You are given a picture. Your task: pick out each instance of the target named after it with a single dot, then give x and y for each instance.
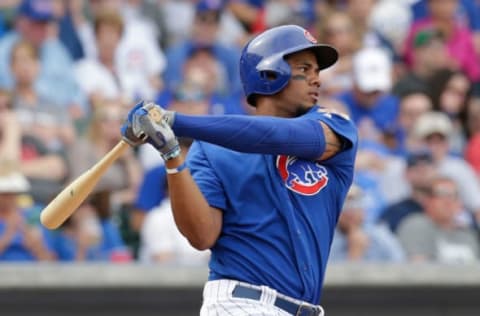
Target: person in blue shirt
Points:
(56, 81)
(90, 234)
(354, 241)
(201, 88)
(262, 192)
(21, 238)
(369, 101)
(203, 36)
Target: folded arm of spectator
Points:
(51, 167)
(10, 138)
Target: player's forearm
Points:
(256, 134)
(195, 219)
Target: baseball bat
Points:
(70, 198)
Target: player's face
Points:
(301, 92)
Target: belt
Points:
(241, 291)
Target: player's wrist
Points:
(175, 165)
(176, 169)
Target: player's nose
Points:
(315, 79)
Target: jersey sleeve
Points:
(342, 163)
(340, 123)
(205, 176)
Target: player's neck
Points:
(269, 107)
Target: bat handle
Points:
(117, 151)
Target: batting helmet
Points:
(263, 68)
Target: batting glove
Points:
(126, 129)
(148, 123)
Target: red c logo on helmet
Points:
(309, 37)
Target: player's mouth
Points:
(314, 96)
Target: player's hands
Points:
(127, 131)
(148, 122)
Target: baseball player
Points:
(262, 192)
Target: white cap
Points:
(433, 122)
(392, 20)
(13, 182)
(372, 70)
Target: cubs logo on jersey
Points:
(302, 176)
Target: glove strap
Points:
(174, 153)
(177, 169)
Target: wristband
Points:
(177, 169)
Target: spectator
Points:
(56, 80)
(434, 129)
(429, 54)
(45, 169)
(251, 13)
(418, 175)
(298, 12)
(10, 134)
(472, 124)
(162, 243)
(467, 12)
(123, 176)
(98, 77)
(436, 235)
(203, 35)
(137, 59)
(413, 104)
(39, 116)
(450, 91)
(337, 29)
(355, 242)
(201, 88)
(178, 17)
(90, 234)
(371, 105)
(21, 238)
(69, 15)
(360, 11)
(391, 20)
(458, 37)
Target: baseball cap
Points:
(37, 10)
(372, 70)
(208, 5)
(416, 157)
(13, 182)
(424, 37)
(433, 123)
(209, 9)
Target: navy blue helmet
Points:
(263, 68)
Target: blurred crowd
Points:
(408, 76)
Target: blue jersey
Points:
(279, 212)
